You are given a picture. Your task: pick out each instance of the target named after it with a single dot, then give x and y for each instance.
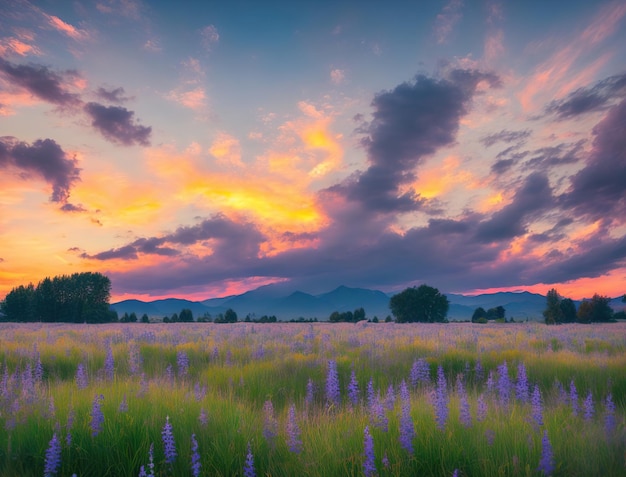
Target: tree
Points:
(496, 313)
(596, 310)
(478, 314)
(145, 319)
(568, 310)
(423, 304)
(230, 316)
(359, 314)
(553, 313)
(186, 315)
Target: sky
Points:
(203, 149)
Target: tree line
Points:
(77, 298)
(563, 310)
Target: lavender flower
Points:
(97, 418)
(38, 373)
(563, 396)
(465, 415)
(521, 386)
(270, 425)
(199, 392)
(333, 395)
(353, 389)
(53, 457)
(537, 406)
(68, 427)
(441, 399)
(203, 417)
(81, 376)
(169, 445)
(169, 374)
(248, 468)
(420, 372)
(293, 431)
(407, 429)
(481, 411)
(609, 415)
(151, 460)
(123, 405)
(491, 383)
(369, 464)
(310, 392)
(588, 407)
(182, 363)
(479, 372)
(546, 464)
(573, 398)
(385, 461)
(504, 384)
(109, 364)
(195, 457)
(390, 398)
(134, 359)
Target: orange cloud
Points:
(227, 150)
(192, 99)
(442, 178)
(69, 30)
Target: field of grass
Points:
(316, 399)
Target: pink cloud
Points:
(67, 29)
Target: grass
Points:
(234, 369)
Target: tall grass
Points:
(235, 369)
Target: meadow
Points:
(293, 399)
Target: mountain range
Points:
(287, 303)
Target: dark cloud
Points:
(599, 189)
(409, 123)
(45, 159)
(505, 136)
(586, 100)
(41, 82)
(72, 208)
(116, 95)
(117, 124)
(558, 155)
(533, 196)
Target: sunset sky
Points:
(202, 149)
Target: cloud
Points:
(447, 20)
(409, 123)
(505, 136)
(117, 125)
(127, 8)
(604, 176)
(18, 47)
(337, 76)
(586, 100)
(210, 37)
(67, 29)
(40, 82)
(72, 208)
(112, 95)
(534, 196)
(45, 159)
(193, 98)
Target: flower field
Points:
(294, 399)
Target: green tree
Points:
(20, 304)
(230, 316)
(568, 310)
(359, 314)
(596, 310)
(553, 313)
(496, 313)
(145, 319)
(186, 315)
(478, 314)
(423, 304)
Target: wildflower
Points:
(293, 431)
(353, 389)
(385, 461)
(195, 457)
(203, 417)
(97, 418)
(407, 430)
(109, 364)
(390, 398)
(310, 391)
(504, 384)
(169, 374)
(151, 460)
(369, 464)
(546, 464)
(465, 415)
(123, 405)
(521, 387)
(199, 392)
(182, 363)
(535, 401)
(441, 399)
(420, 372)
(491, 383)
(38, 374)
(53, 457)
(248, 469)
(134, 359)
(68, 427)
(270, 425)
(81, 376)
(332, 384)
(169, 445)
(573, 398)
(609, 415)
(588, 406)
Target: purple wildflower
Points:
(169, 445)
(310, 392)
(504, 384)
(97, 418)
(203, 417)
(490, 435)
(573, 398)
(465, 415)
(353, 389)
(270, 425)
(609, 415)
(134, 359)
(521, 386)
(53, 457)
(293, 431)
(385, 461)
(151, 460)
(455, 473)
(248, 468)
(546, 464)
(407, 429)
(479, 372)
(491, 383)
(109, 364)
(123, 405)
(369, 464)
(420, 372)
(182, 364)
(537, 406)
(81, 376)
(333, 395)
(68, 427)
(563, 397)
(169, 374)
(28, 384)
(51, 407)
(195, 457)
(142, 472)
(588, 407)
(390, 398)
(441, 399)
(38, 373)
(199, 392)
